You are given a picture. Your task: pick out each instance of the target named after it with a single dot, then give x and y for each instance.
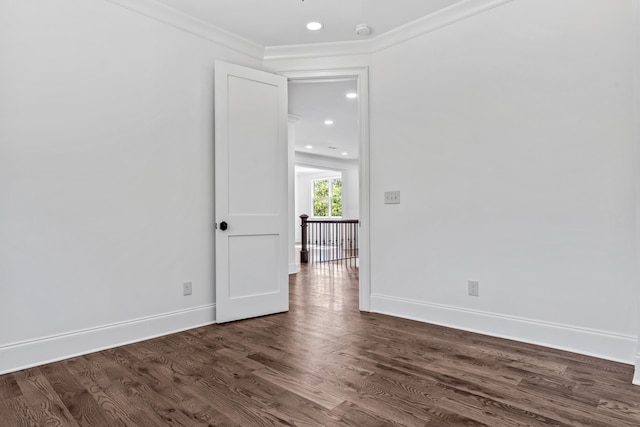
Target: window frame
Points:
(329, 197)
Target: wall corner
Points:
(636, 372)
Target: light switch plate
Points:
(391, 197)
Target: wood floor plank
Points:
(13, 412)
(141, 391)
(235, 404)
(622, 411)
(309, 392)
(111, 395)
(294, 409)
(36, 410)
(376, 401)
(222, 390)
(287, 367)
(175, 393)
(238, 361)
(354, 415)
(35, 387)
(9, 387)
(77, 399)
(188, 371)
(324, 363)
(488, 411)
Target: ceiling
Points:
(278, 23)
(315, 102)
(308, 170)
(283, 22)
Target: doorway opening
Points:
(329, 140)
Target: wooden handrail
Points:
(330, 221)
(337, 237)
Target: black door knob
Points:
(223, 225)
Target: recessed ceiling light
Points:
(328, 122)
(308, 146)
(344, 154)
(314, 26)
(352, 95)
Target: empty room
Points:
(187, 239)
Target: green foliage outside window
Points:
(336, 197)
(327, 197)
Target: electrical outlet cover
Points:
(474, 288)
(187, 288)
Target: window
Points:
(327, 197)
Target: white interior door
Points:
(251, 193)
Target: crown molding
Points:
(177, 19)
(173, 17)
(317, 50)
(442, 18)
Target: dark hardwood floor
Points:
(323, 363)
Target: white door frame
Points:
(362, 76)
(636, 84)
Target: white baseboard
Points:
(601, 344)
(17, 356)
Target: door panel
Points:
(251, 190)
(253, 147)
(261, 278)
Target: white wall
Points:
(291, 190)
(510, 137)
(106, 177)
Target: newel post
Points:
(304, 252)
